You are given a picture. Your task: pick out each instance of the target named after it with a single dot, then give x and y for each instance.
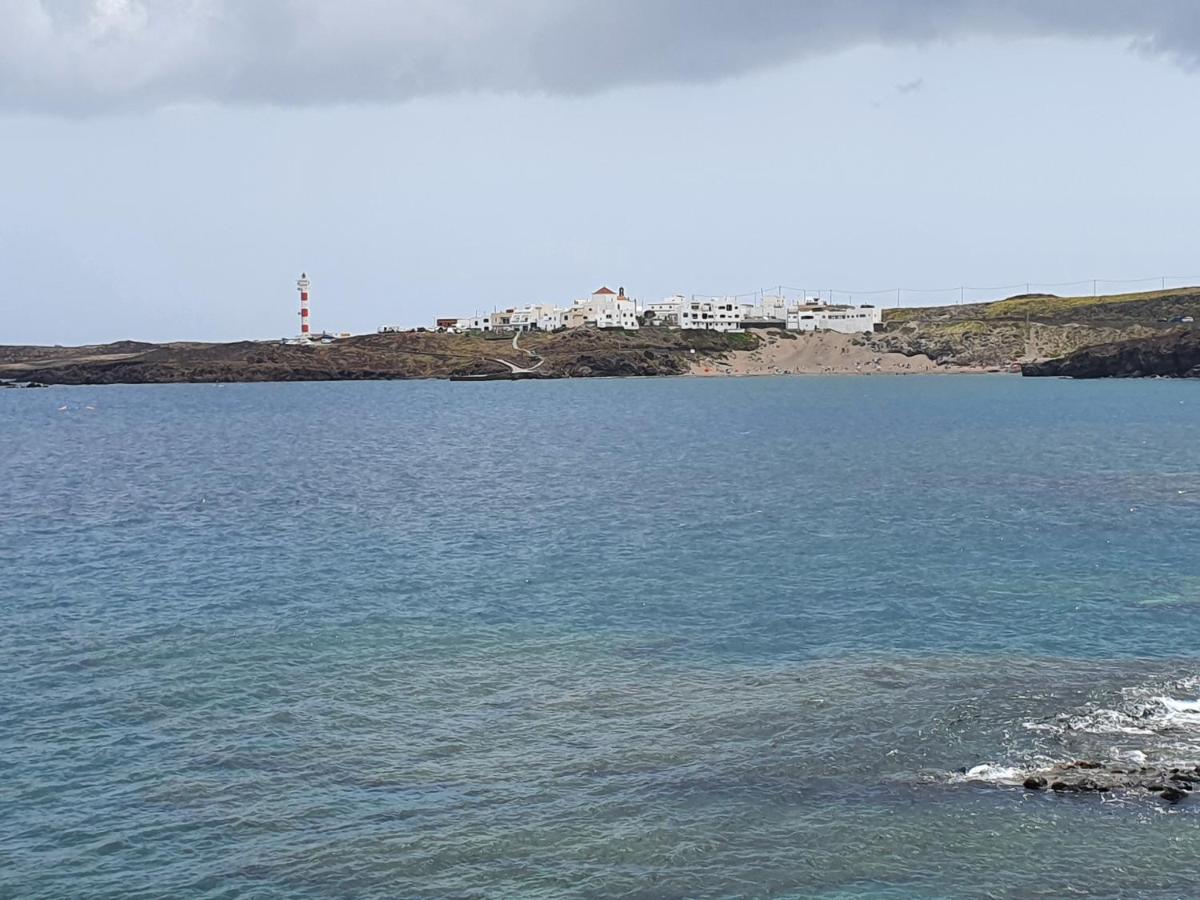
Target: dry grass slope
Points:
(1031, 327)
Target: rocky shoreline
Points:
(579, 353)
(1172, 355)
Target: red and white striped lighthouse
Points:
(302, 287)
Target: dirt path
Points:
(513, 366)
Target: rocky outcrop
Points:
(1032, 326)
(1172, 355)
(1171, 784)
(994, 343)
(645, 362)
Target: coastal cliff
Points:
(1031, 328)
(1172, 355)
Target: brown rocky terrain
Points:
(1172, 355)
(576, 353)
(1031, 328)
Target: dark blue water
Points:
(641, 638)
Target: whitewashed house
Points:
(844, 319)
(522, 319)
(666, 312)
(608, 309)
(604, 309)
(475, 323)
(552, 317)
(723, 314)
(543, 317)
(769, 308)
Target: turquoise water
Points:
(639, 638)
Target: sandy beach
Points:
(820, 353)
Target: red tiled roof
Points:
(603, 290)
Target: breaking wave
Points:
(1152, 725)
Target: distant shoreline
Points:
(1124, 335)
(583, 353)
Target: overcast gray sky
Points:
(167, 167)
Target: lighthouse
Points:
(302, 287)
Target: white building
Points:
(553, 317)
(544, 317)
(604, 309)
(726, 314)
(475, 323)
(522, 319)
(608, 309)
(770, 308)
(723, 314)
(844, 319)
(666, 312)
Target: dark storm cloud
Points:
(92, 55)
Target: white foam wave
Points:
(993, 774)
(1136, 757)
(1146, 725)
(1180, 712)
(1108, 721)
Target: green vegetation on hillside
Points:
(1031, 326)
(1054, 307)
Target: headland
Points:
(1129, 334)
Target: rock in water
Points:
(1173, 794)
(1087, 777)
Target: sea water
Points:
(583, 638)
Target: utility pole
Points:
(961, 291)
(1094, 294)
(897, 298)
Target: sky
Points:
(168, 167)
